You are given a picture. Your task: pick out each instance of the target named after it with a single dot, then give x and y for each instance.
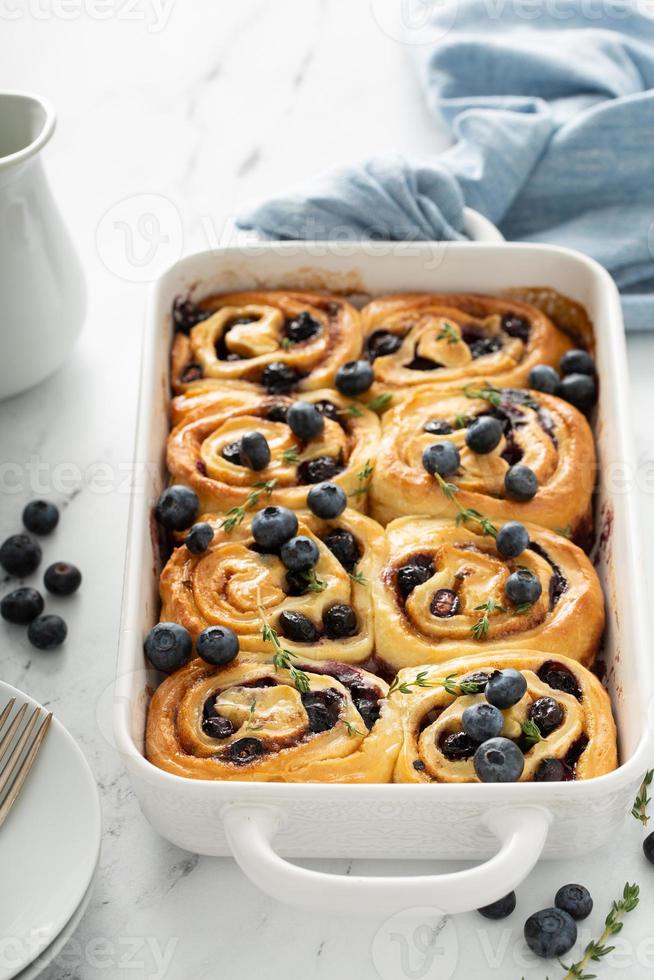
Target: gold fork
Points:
(21, 746)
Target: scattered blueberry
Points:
(482, 721)
(217, 645)
(339, 620)
(499, 909)
(580, 390)
(199, 538)
(255, 451)
(547, 714)
(62, 578)
(522, 586)
(21, 606)
(544, 378)
(40, 517)
(343, 545)
(499, 760)
(577, 362)
(354, 377)
(550, 933)
(327, 500)
(575, 900)
(520, 482)
(168, 646)
(272, 526)
(300, 553)
(648, 848)
(441, 458)
(302, 327)
(318, 470)
(177, 507)
(505, 687)
(245, 750)
(47, 632)
(305, 420)
(414, 573)
(457, 746)
(278, 378)
(20, 555)
(550, 771)
(484, 434)
(295, 626)
(512, 539)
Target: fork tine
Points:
(13, 759)
(9, 734)
(6, 712)
(25, 767)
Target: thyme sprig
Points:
(381, 402)
(465, 514)
(480, 628)
(236, 514)
(286, 343)
(450, 683)
(291, 455)
(523, 608)
(282, 658)
(448, 333)
(597, 948)
(488, 392)
(364, 478)
(565, 532)
(355, 410)
(531, 732)
(639, 809)
(312, 582)
(352, 729)
(358, 576)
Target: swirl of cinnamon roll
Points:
(539, 431)
(249, 721)
(445, 591)
(563, 723)
(446, 339)
(327, 611)
(204, 449)
(269, 341)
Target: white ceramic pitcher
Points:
(42, 290)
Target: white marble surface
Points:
(205, 106)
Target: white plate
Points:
(49, 848)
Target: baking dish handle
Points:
(521, 831)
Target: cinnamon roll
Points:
(327, 612)
(562, 723)
(269, 341)
(534, 430)
(446, 339)
(446, 591)
(254, 721)
(204, 448)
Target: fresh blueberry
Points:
(577, 362)
(327, 500)
(505, 687)
(278, 378)
(499, 760)
(217, 645)
(512, 539)
(295, 626)
(272, 526)
(441, 458)
(20, 555)
(414, 573)
(318, 470)
(550, 933)
(255, 451)
(47, 632)
(445, 603)
(302, 327)
(484, 434)
(168, 646)
(199, 538)
(437, 427)
(520, 482)
(339, 620)
(245, 750)
(21, 606)
(648, 848)
(550, 771)
(62, 578)
(343, 545)
(40, 517)
(575, 900)
(305, 420)
(547, 714)
(301, 553)
(177, 507)
(381, 343)
(354, 377)
(580, 390)
(544, 378)
(522, 586)
(499, 909)
(482, 721)
(457, 746)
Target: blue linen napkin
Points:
(551, 109)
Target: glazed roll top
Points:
(326, 613)
(447, 339)
(254, 721)
(206, 448)
(268, 341)
(561, 723)
(541, 432)
(445, 590)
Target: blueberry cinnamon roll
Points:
(446, 339)
(227, 446)
(325, 611)
(501, 451)
(502, 717)
(254, 721)
(449, 589)
(272, 342)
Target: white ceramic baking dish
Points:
(263, 824)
